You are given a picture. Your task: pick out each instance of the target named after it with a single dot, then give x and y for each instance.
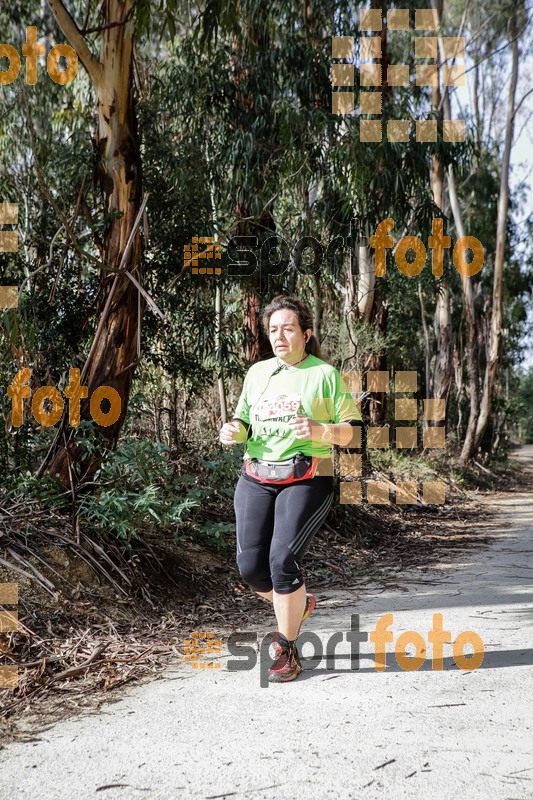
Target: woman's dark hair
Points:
(303, 314)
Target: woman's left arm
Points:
(342, 433)
(306, 428)
(343, 413)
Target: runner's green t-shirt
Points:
(314, 388)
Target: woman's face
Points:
(286, 336)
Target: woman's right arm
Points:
(234, 432)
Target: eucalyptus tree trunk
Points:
(495, 335)
(256, 344)
(220, 376)
(427, 349)
(374, 307)
(118, 173)
(318, 307)
(366, 283)
(471, 342)
(472, 355)
(442, 381)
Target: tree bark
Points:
(374, 307)
(377, 402)
(318, 307)
(427, 349)
(472, 355)
(119, 176)
(442, 382)
(471, 333)
(256, 344)
(495, 335)
(366, 283)
(220, 376)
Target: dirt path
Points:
(332, 733)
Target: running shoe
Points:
(310, 604)
(286, 667)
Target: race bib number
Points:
(280, 408)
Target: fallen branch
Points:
(68, 673)
(488, 471)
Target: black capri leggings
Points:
(275, 526)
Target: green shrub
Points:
(136, 492)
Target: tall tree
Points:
(515, 28)
(442, 382)
(113, 355)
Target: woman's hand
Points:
(228, 432)
(304, 427)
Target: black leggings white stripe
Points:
(275, 526)
(303, 540)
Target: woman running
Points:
(297, 406)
